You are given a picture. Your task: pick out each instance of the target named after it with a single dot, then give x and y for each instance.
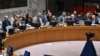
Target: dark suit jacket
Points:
(96, 21)
(5, 23)
(76, 21)
(27, 21)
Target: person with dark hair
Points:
(49, 15)
(28, 19)
(97, 9)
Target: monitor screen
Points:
(87, 22)
(70, 22)
(53, 24)
(37, 25)
(5, 4)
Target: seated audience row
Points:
(19, 22)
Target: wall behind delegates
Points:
(24, 6)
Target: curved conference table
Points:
(53, 34)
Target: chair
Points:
(22, 27)
(87, 22)
(1, 45)
(36, 25)
(10, 50)
(69, 22)
(53, 24)
(27, 53)
(11, 31)
(47, 55)
(2, 35)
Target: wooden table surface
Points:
(53, 34)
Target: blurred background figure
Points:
(13, 18)
(53, 18)
(6, 25)
(16, 25)
(97, 9)
(87, 16)
(49, 15)
(44, 16)
(74, 19)
(98, 17)
(63, 18)
(94, 20)
(28, 19)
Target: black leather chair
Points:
(10, 50)
(1, 45)
(27, 53)
(47, 55)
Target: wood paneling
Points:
(44, 35)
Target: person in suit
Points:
(53, 21)
(74, 19)
(63, 18)
(6, 25)
(44, 16)
(87, 16)
(41, 19)
(94, 20)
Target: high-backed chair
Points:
(27, 53)
(47, 55)
(10, 50)
(1, 45)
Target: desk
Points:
(44, 35)
(4, 52)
